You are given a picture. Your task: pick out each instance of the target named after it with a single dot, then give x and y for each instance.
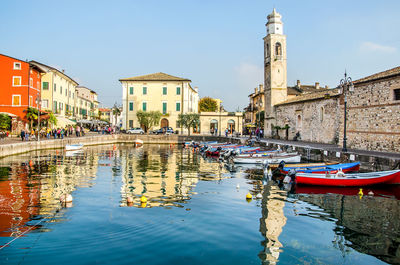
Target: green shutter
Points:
(178, 90)
(131, 90)
(144, 106)
(55, 88)
(164, 107)
(130, 106)
(164, 90)
(178, 106)
(144, 90)
(45, 85)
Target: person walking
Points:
(22, 135)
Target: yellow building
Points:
(57, 93)
(256, 106)
(86, 104)
(168, 94)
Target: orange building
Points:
(20, 84)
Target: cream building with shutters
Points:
(57, 93)
(168, 94)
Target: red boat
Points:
(347, 180)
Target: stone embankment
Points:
(314, 152)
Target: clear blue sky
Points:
(216, 44)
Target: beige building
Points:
(218, 122)
(86, 104)
(57, 93)
(168, 94)
(253, 112)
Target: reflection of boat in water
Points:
(74, 152)
(72, 147)
(382, 191)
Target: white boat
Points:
(72, 147)
(138, 142)
(269, 160)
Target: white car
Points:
(135, 131)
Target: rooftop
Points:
(320, 94)
(384, 74)
(155, 77)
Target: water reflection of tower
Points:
(163, 175)
(271, 223)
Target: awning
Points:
(62, 121)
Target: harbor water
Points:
(163, 204)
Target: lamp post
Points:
(38, 103)
(219, 125)
(346, 85)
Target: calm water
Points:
(196, 213)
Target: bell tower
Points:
(275, 70)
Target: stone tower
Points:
(275, 77)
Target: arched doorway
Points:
(231, 126)
(213, 126)
(164, 123)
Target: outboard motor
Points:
(291, 176)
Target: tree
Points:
(189, 120)
(5, 121)
(116, 112)
(52, 119)
(148, 119)
(208, 104)
(31, 115)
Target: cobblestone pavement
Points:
(14, 139)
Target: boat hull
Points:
(332, 169)
(349, 180)
(269, 160)
(73, 147)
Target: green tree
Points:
(189, 120)
(31, 115)
(208, 104)
(5, 121)
(116, 112)
(52, 119)
(148, 119)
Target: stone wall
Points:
(317, 120)
(373, 116)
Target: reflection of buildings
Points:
(163, 175)
(32, 189)
(272, 222)
(19, 196)
(371, 224)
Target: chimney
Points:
(260, 87)
(63, 70)
(326, 87)
(255, 90)
(298, 84)
(316, 85)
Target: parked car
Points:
(135, 131)
(166, 130)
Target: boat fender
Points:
(340, 174)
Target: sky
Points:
(218, 44)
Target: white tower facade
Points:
(275, 69)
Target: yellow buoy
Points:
(361, 193)
(248, 196)
(143, 204)
(143, 199)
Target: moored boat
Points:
(289, 158)
(346, 180)
(321, 169)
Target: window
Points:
(130, 106)
(16, 81)
(164, 90)
(31, 82)
(60, 105)
(38, 85)
(45, 85)
(131, 90)
(45, 103)
(178, 106)
(30, 101)
(278, 49)
(55, 106)
(55, 87)
(16, 100)
(61, 90)
(144, 90)
(130, 123)
(396, 94)
(321, 114)
(164, 107)
(17, 66)
(144, 106)
(178, 90)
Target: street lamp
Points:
(346, 85)
(219, 125)
(38, 103)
